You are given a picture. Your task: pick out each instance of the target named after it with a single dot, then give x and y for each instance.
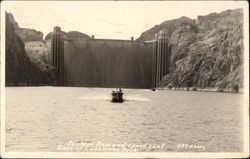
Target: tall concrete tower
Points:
(57, 52)
(161, 57)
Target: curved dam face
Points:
(108, 63)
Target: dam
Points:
(109, 63)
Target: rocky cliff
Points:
(71, 35)
(37, 49)
(39, 53)
(25, 34)
(29, 34)
(207, 52)
(20, 70)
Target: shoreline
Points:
(241, 90)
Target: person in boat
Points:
(120, 90)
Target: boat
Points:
(117, 96)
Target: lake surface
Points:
(59, 118)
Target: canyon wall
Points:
(207, 52)
(20, 70)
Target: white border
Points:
(246, 76)
(2, 92)
(244, 154)
(121, 155)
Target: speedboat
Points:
(117, 96)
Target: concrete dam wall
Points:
(108, 63)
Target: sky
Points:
(109, 19)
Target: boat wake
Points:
(109, 98)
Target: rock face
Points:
(206, 53)
(39, 53)
(170, 26)
(12, 20)
(49, 36)
(71, 35)
(76, 35)
(37, 49)
(19, 69)
(29, 34)
(24, 33)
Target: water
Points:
(45, 118)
